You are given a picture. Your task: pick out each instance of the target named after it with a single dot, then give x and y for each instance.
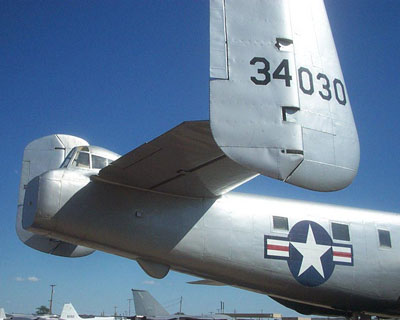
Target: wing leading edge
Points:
(184, 161)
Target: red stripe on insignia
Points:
(342, 254)
(276, 247)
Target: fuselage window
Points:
(384, 238)
(280, 223)
(340, 231)
(98, 162)
(82, 160)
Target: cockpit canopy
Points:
(89, 157)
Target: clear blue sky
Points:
(119, 73)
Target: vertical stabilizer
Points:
(278, 101)
(69, 312)
(2, 314)
(146, 305)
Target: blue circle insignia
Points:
(310, 253)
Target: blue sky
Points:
(119, 73)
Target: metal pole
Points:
(129, 301)
(51, 298)
(180, 306)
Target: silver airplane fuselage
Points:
(279, 107)
(232, 239)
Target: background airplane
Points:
(69, 312)
(2, 314)
(21, 316)
(147, 306)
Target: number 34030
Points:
(306, 79)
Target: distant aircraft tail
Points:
(2, 314)
(146, 305)
(68, 312)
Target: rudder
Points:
(278, 101)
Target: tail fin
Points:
(42, 155)
(146, 305)
(69, 312)
(2, 314)
(278, 101)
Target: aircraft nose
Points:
(41, 201)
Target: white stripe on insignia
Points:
(275, 242)
(278, 253)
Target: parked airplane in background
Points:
(46, 317)
(148, 307)
(278, 107)
(21, 316)
(2, 314)
(69, 313)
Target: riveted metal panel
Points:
(281, 56)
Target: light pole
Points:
(51, 298)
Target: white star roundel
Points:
(310, 253)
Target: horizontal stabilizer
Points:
(278, 101)
(183, 161)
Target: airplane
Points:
(69, 312)
(18, 316)
(3, 314)
(146, 306)
(279, 107)
(47, 316)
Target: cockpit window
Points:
(98, 162)
(83, 157)
(82, 160)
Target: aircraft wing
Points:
(184, 161)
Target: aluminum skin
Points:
(278, 101)
(221, 239)
(278, 107)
